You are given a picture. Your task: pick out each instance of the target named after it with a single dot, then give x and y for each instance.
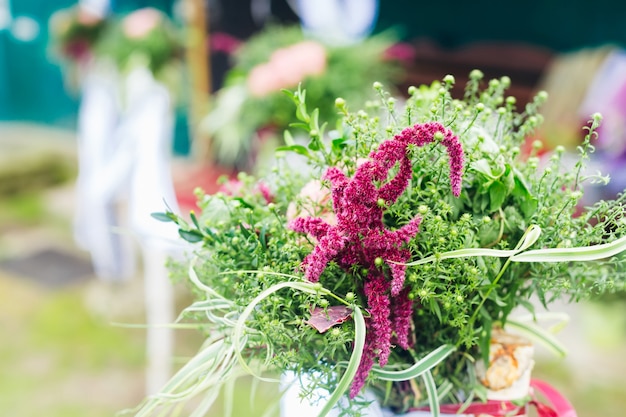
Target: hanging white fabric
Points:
(124, 147)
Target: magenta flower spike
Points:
(361, 238)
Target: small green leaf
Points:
(194, 219)
(262, 239)
(528, 203)
(289, 93)
(338, 144)
(243, 202)
(434, 306)
(244, 230)
(164, 217)
(299, 149)
(497, 195)
(482, 166)
(288, 138)
(302, 126)
(191, 236)
(484, 340)
(315, 119)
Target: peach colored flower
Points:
(140, 22)
(262, 80)
(287, 67)
(87, 18)
(313, 200)
(311, 57)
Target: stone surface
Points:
(50, 267)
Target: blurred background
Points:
(109, 107)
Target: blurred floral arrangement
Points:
(251, 107)
(74, 32)
(144, 37)
(395, 262)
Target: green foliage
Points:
(516, 231)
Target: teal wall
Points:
(559, 25)
(31, 87)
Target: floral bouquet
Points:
(74, 33)
(251, 108)
(386, 265)
(145, 37)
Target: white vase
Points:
(507, 378)
(292, 405)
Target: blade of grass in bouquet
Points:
(203, 408)
(539, 335)
(240, 325)
(353, 364)
(423, 365)
(530, 237)
(561, 319)
(431, 390)
(444, 389)
(229, 397)
(195, 369)
(585, 253)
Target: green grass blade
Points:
(431, 390)
(207, 401)
(561, 319)
(353, 364)
(229, 397)
(538, 335)
(465, 253)
(423, 365)
(585, 253)
(240, 325)
(529, 238)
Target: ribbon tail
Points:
(561, 406)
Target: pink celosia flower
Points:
(223, 42)
(140, 22)
(360, 237)
(265, 192)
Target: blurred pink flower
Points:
(315, 202)
(401, 52)
(287, 67)
(310, 58)
(262, 80)
(140, 22)
(87, 18)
